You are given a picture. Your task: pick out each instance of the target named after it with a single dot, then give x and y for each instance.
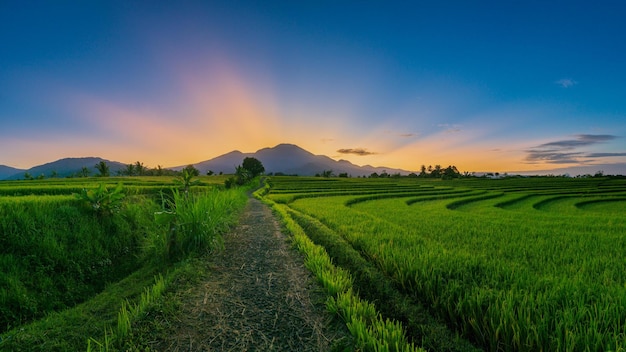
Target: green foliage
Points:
(103, 200)
(103, 169)
(54, 254)
(191, 170)
(253, 166)
(370, 331)
(195, 222)
(185, 180)
(244, 173)
(511, 264)
(140, 169)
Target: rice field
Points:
(514, 264)
(63, 241)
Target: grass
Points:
(73, 278)
(370, 331)
(513, 264)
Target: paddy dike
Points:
(257, 296)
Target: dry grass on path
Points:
(258, 296)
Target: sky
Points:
(483, 85)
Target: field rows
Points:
(513, 264)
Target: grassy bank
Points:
(58, 252)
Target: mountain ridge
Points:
(288, 159)
(284, 158)
(66, 167)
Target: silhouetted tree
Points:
(253, 166)
(140, 169)
(103, 169)
(450, 172)
(130, 170)
(423, 172)
(84, 172)
(191, 170)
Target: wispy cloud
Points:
(581, 140)
(566, 82)
(355, 151)
(569, 151)
(448, 128)
(407, 135)
(604, 155)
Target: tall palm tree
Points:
(103, 168)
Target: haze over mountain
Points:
(289, 159)
(64, 168)
(6, 171)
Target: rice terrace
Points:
(402, 263)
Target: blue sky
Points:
(483, 85)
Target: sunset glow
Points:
(492, 87)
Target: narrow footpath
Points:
(258, 296)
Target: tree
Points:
(423, 172)
(103, 169)
(139, 168)
(185, 180)
(450, 172)
(54, 174)
(253, 166)
(84, 172)
(130, 170)
(28, 176)
(190, 169)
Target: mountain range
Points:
(284, 158)
(288, 159)
(61, 168)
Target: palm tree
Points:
(84, 172)
(140, 168)
(130, 170)
(103, 168)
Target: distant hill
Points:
(6, 171)
(288, 159)
(67, 167)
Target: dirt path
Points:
(257, 297)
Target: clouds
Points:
(571, 151)
(355, 151)
(566, 82)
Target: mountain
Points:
(67, 167)
(6, 171)
(288, 159)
